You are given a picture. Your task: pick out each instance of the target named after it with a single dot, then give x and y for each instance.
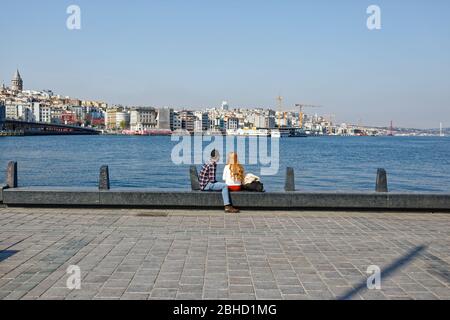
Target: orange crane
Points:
(302, 106)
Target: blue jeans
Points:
(220, 187)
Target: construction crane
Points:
(302, 106)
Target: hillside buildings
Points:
(44, 106)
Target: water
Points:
(419, 164)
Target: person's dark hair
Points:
(214, 153)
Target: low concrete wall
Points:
(2, 187)
(204, 200)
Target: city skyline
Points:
(196, 55)
(17, 90)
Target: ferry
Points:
(298, 133)
(213, 133)
(249, 132)
(279, 133)
(155, 132)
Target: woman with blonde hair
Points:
(234, 174)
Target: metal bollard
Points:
(382, 183)
(103, 183)
(193, 173)
(290, 180)
(11, 175)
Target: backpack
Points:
(255, 186)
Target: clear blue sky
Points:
(197, 53)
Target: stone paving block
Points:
(242, 296)
(110, 293)
(167, 284)
(241, 289)
(164, 293)
(211, 294)
(189, 296)
(134, 296)
(289, 290)
(139, 288)
(263, 294)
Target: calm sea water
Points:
(321, 163)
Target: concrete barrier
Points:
(208, 200)
(2, 187)
(102, 196)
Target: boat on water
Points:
(298, 133)
(288, 133)
(249, 132)
(213, 133)
(276, 133)
(155, 132)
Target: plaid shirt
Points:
(208, 174)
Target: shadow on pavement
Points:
(399, 263)
(5, 254)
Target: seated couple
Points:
(233, 176)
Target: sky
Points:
(197, 53)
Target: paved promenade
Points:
(154, 254)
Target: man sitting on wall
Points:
(208, 182)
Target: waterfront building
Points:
(142, 119)
(270, 122)
(78, 110)
(187, 120)
(114, 118)
(42, 112)
(25, 112)
(19, 110)
(176, 123)
(198, 126)
(122, 120)
(11, 110)
(282, 120)
(69, 118)
(110, 118)
(17, 83)
(203, 119)
(56, 115)
(217, 124)
(259, 121)
(2, 114)
(165, 119)
(233, 123)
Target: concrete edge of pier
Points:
(2, 187)
(291, 199)
(296, 200)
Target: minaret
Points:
(17, 83)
